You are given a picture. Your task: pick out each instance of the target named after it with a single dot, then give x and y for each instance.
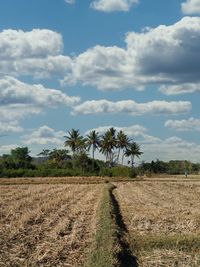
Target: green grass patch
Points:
(105, 248)
(189, 243)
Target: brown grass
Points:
(62, 180)
(163, 220)
(47, 225)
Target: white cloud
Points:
(19, 99)
(131, 107)
(113, 5)
(44, 135)
(162, 55)
(190, 124)
(70, 2)
(17, 111)
(153, 147)
(180, 88)
(172, 148)
(5, 149)
(36, 53)
(191, 7)
(13, 91)
(10, 127)
(132, 131)
(36, 43)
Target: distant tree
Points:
(58, 155)
(76, 142)
(108, 144)
(132, 151)
(93, 141)
(44, 153)
(122, 142)
(20, 157)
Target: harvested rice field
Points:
(47, 225)
(163, 221)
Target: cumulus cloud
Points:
(113, 5)
(132, 131)
(178, 89)
(154, 147)
(13, 91)
(131, 107)
(161, 55)
(190, 124)
(10, 127)
(18, 111)
(191, 7)
(19, 99)
(5, 149)
(36, 43)
(36, 53)
(172, 148)
(44, 135)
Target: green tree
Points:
(20, 157)
(93, 141)
(122, 142)
(132, 151)
(76, 142)
(44, 153)
(58, 155)
(108, 144)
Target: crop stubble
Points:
(47, 225)
(163, 220)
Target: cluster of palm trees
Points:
(112, 144)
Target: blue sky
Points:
(131, 64)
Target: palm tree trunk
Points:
(123, 158)
(118, 155)
(132, 162)
(73, 160)
(93, 158)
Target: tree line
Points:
(112, 144)
(73, 159)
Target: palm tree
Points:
(133, 150)
(75, 141)
(122, 143)
(44, 153)
(58, 155)
(93, 141)
(108, 144)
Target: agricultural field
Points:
(48, 224)
(163, 221)
(91, 222)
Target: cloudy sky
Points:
(93, 64)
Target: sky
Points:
(95, 64)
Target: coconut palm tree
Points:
(93, 141)
(75, 141)
(58, 155)
(133, 150)
(108, 144)
(44, 153)
(122, 143)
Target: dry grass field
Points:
(47, 225)
(163, 219)
(68, 221)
